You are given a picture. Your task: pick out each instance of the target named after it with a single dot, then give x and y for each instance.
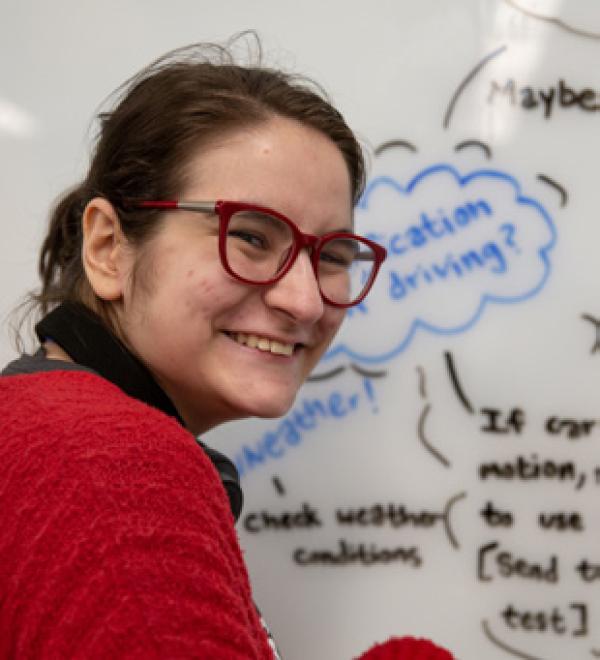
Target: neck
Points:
(55, 352)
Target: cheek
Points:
(208, 295)
(329, 325)
(333, 319)
(199, 291)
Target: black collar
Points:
(86, 339)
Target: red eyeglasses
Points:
(259, 246)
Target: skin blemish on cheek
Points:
(206, 287)
(199, 290)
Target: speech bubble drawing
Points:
(455, 243)
(582, 18)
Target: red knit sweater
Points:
(116, 538)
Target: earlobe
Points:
(103, 251)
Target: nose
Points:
(297, 293)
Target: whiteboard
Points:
(439, 473)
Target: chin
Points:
(269, 409)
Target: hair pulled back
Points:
(160, 117)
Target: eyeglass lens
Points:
(258, 247)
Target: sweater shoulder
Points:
(144, 556)
(61, 395)
(83, 429)
(81, 405)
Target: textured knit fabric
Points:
(406, 648)
(116, 537)
(29, 364)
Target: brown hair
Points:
(173, 106)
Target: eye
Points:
(254, 239)
(335, 259)
(258, 231)
(339, 253)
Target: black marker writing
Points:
(496, 517)
(365, 554)
(547, 100)
(496, 421)
(306, 518)
(493, 561)
(528, 469)
(561, 521)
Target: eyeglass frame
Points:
(226, 209)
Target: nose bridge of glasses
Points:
(310, 242)
(307, 241)
(296, 254)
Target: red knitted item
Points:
(116, 538)
(406, 648)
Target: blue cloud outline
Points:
(363, 204)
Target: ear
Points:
(105, 255)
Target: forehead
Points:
(281, 164)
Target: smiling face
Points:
(222, 349)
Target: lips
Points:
(262, 343)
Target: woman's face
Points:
(183, 314)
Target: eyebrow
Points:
(261, 215)
(341, 230)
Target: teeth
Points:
(281, 349)
(263, 344)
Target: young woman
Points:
(196, 275)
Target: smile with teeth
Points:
(262, 343)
